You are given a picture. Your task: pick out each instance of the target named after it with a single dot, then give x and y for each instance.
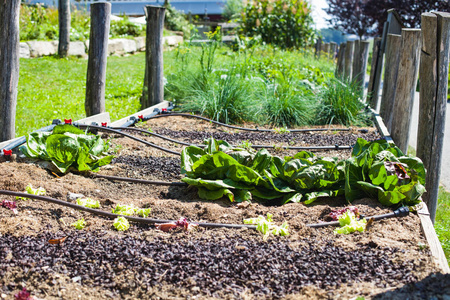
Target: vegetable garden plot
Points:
(100, 262)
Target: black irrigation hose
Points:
(243, 128)
(335, 147)
(129, 136)
(401, 212)
(113, 216)
(135, 180)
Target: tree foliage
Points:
(349, 16)
(367, 17)
(409, 10)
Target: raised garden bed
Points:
(389, 260)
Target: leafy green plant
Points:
(80, 224)
(40, 191)
(285, 23)
(232, 9)
(350, 224)
(88, 202)
(266, 226)
(121, 224)
(68, 146)
(124, 28)
(130, 210)
(376, 169)
(175, 20)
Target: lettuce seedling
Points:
(9, 204)
(143, 212)
(32, 191)
(350, 224)
(80, 224)
(123, 209)
(88, 202)
(335, 214)
(266, 227)
(121, 224)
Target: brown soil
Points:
(207, 263)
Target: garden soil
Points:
(388, 261)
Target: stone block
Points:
(77, 49)
(24, 50)
(42, 48)
(140, 43)
(172, 40)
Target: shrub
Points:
(340, 103)
(125, 27)
(232, 9)
(285, 23)
(176, 21)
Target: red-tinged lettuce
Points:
(181, 223)
(24, 295)
(68, 146)
(9, 204)
(335, 214)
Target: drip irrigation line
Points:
(335, 147)
(129, 136)
(135, 180)
(244, 128)
(113, 216)
(401, 212)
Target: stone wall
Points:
(33, 49)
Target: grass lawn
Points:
(51, 88)
(442, 222)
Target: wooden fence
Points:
(411, 54)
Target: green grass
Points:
(442, 221)
(51, 88)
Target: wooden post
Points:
(393, 44)
(333, 47)
(318, 48)
(405, 87)
(361, 66)
(64, 27)
(373, 69)
(341, 61)
(349, 49)
(98, 52)
(326, 50)
(9, 67)
(355, 66)
(433, 100)
(375, 91)
(154, 88)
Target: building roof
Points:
(136, 8)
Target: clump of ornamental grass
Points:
(286, 103)
(341, 103)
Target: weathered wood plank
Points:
(349, 50)
(98, 52)
(361, 65)
(318, 48)
(9, 66)
(431, 237)
(406, 87)
(393, 44)
(154, 56)
(144, 112)
(340, 61)
(64, 27)
(333, 47)
(355, 63)
(375, 91)
(375, 50)
(326, 50)
(433, 100)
